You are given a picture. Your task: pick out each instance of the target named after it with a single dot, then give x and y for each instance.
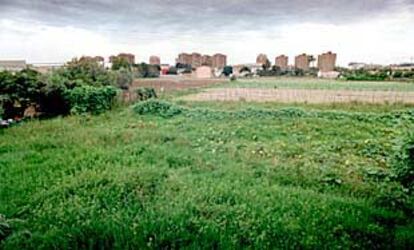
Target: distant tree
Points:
(172, 71)
(184, 68)
(227, 70)
(120, 63)
(245, 69)
(147, 70)
(266, 66)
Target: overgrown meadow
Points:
(185, 175)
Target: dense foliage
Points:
(209, 176)
(377, 74)
(404, 162)
(89, 99)
(50, 94)
(145, 94)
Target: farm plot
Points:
(301, 96)
(173, 84)
(314, 83)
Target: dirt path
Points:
(301, 96)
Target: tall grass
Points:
(210, 179)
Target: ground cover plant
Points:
(313, 83)
(213, 175)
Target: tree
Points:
(120, 63)
(227, 70)
(267, 65)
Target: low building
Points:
(204, 72)
(253, 68)
(12, 65)
(44, 68)
(282, 62)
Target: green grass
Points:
(312, 83)
(218, 175)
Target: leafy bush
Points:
(404, 162)
(87, 71)
(172, 71)
(119, 63)
(89, 99)
(144, 70)
(228, 70)
(145, 93)
(156, 107)
(18, 91)
(365, 75)
(49, 93)
(123, 78)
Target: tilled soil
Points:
(172, 84)
(301, 96)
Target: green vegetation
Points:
(93, 100)
(185, 175)
(312, 83)
(80, 86)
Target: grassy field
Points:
(312, 83)
(208, 175)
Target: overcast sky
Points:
(372, 31)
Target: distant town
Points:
(201, 66)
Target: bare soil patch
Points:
(301, 96)
(172, 84)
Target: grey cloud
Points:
(198, 15)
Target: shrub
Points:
(172, 71)
(18, 91)
(123, 78)
(89, 99)
(145, 93)
(147, 71)
(5, 228)
(120, 63)
(156, 107)
(228, 70)
(404, 162)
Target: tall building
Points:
(262, 59)
(130, 58)
(327, 62)
(282, 62)
(154, 60)
(196, 60)
(219, 61)
(184, 58)
(207, 60)
(302, 61)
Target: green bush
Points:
(145, 94)
(156, 107)
(404, 162)
(89, 99)
(18, 91)
(123, 78)
(144, 70)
